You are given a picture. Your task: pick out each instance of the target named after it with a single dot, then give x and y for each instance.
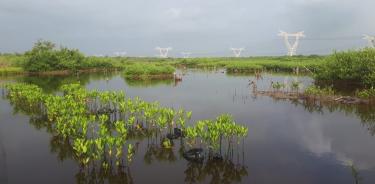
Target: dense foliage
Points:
(148, 70)
(353, 66)
(44, 56)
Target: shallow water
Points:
(288, 142)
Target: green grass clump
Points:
(366, 93)
(318, 91)
(148, 70)
(243, 67)
(352, 66)
(11, 70)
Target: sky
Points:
(203, 27)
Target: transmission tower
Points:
(292, 48)
(186, 54)
(370, 39)
(237, 51)
(163, 52)
(119, 54)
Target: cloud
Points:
(204, 26)
(173, 13)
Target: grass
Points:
(366, 93)
(232, 65)
(148, 71)
(11, 70)
(11, 64)
(250, 64)
(319, 91)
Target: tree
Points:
(44, 56)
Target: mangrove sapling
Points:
(318, 91)
(76, 116)
(131, 152)
(277, 86)
(167, 143)
(295, 86)
(81, 147)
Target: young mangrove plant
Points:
(215, 133)
(318, 91)
(99, 124)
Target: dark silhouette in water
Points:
(194, 155)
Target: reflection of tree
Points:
(149, 82)
(355, 174)
(62, 147)
(51, 83)
(365, 112)
(102, 173)
(224, 171)
(155, 152)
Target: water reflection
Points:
(51, 83)
(289, 141)
(151, 82)
(365, 112)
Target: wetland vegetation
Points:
(104, 131)
(98, 124)
(149, 71)
(109, 134)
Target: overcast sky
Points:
(203, 27)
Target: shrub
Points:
(354, 66)
(366, 93)
(140, 70)
(44, 56)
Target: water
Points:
(288, 142)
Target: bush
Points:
(144, 70)
(354, 66)
(44, 56)
(366, 93)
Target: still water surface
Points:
(288, 142)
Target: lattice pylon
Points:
(120, 54)
(237, 51)
(185, 54)
(370, 40)
(163, 52)
(292, 48)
